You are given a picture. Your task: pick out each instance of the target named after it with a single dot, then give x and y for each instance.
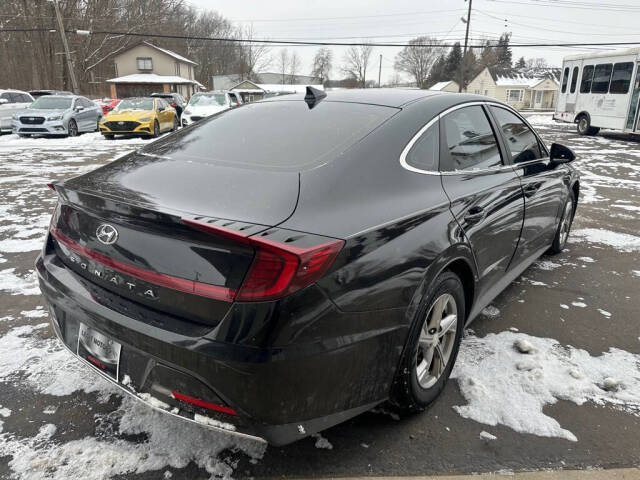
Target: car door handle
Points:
(474, 215)
(531, 189)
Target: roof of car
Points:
(389, 97)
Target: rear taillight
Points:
(278, 269)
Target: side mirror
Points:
(3, 101)
(79, 108)
(161, 109)
(561, 154)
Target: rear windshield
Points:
(276, 135)
(52, 103)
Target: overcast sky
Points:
(529, 21)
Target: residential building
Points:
(448, 86)
(535, 90)
(144, 68)
(226, 82)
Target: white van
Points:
(600, 90)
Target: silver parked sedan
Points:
(58, 115)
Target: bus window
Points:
(601, 77)
(621, 78)
(587, 76)
(574, 79)
(565, 79)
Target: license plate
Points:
(99, 350)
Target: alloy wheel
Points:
(583, 125)
(73, 129)
(437, 340)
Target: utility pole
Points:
(464, 52)
(379, 71)
(72, 73)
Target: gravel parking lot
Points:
(571, 401)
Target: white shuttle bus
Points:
(601, 90)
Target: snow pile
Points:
(322, 442)
(43, 365)
(503, 386)
(17, 285)
(620, 241)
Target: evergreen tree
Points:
(438, 72)
(453, 61)
(504, 52)
(521, 63)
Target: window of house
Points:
(471, 143)
(587, 77)
(601, 78)
(424, 153)
(145, 63)
(621, 77)
(514, 95)
(574, 79)
(177, 64)
(519, 139)
(565, 79)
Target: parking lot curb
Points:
(613, 474)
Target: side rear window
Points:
(520, 140)
(587, 76)
(424, 152)
(574, 79)
(621, 77)
(601, 78)
(471, 143)
(565, 79)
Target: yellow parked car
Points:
(145, 116)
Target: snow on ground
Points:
(504, 386)
(620, 241)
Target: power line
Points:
(321, 43)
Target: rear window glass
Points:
(565, 79)
(276, 135)
(574, 79)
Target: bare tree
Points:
(283, 63)
(356, 61)
(294, 67)
(254, 57)
(417, 60)
(322, 63)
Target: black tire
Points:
(72, 129)
(156, 129)
(584, 127)
(108, 136)
(408, 394)
(564, 225)
(175, 124)
(98, 124)
(24, 135)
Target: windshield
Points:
(284, 135)
(216, 100)
(135, 104)
(51, 102)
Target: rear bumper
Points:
(280, 394)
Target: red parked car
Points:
(107, 104)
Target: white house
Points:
(537, 90)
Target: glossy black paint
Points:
(296, 365)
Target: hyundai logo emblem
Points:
(120, 123)
(107, 234)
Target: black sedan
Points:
(288, 264)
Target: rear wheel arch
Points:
(463, 271)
